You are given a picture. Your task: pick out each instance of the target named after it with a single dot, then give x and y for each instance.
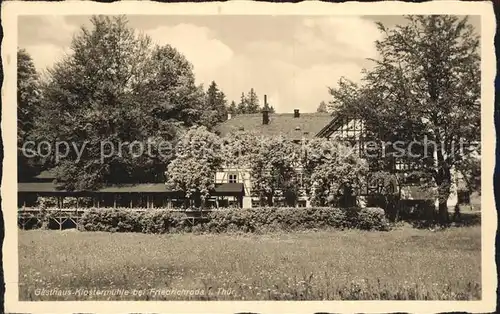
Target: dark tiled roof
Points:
(305, 126)
(136, 188)
(50, 187)
(39, 187)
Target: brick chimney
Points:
(265, 112)
(296, 113)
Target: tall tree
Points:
(28, 102)
(221, 106)
(232, 108)
(322, 107)
(171, 82)
(198, 155)
(210, 115)
(252, 102)
(242, 105)
(215, 108)
(425, 86)
(216, 101)
(114, 89)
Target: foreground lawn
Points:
(400, 264)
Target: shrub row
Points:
(235, 220)
(265, 219)
(288, 219)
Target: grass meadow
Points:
(404, 263)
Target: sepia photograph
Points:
(327, 153)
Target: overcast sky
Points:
(292, 59)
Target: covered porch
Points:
(143, 195)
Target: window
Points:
(351, 129)
(405, 165)
(402, 165)
(408, 168)
(232, 178)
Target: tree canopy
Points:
(28, 102)
(198, 155)
(274, 169)
(323, 107)
(425, 86)
(332, 170)
(249, 103)
(215, 109)
(116, 88)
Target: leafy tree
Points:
(198, 155)
(28, 102)
(171, 87)
(274, 169)
(331, 170)
(116, 88)
(470, 169)
(322, 107)
(240, 148)
(425, 85)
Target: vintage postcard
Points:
(248, 157)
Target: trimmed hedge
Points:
(126, 220)
(265, 219)
(289, 219)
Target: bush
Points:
(372, 218)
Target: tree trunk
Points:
(443, 212)
(443, 180)
(391, 208)
(456, 215)
(270, 199)
(444, 193)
